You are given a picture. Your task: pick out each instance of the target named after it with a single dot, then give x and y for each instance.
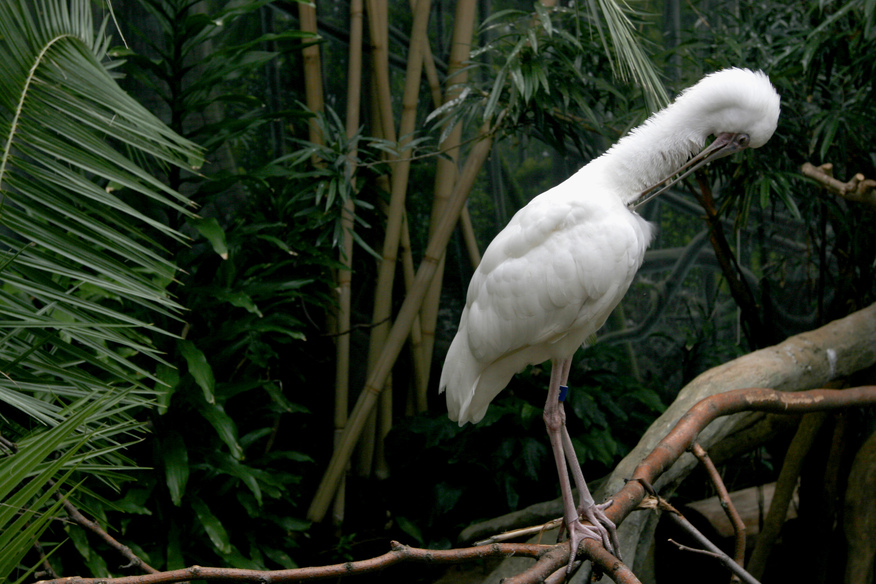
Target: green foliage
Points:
(550, 74)
(231, 440)
(819, 56)
(84, 277)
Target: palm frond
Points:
(83, 271)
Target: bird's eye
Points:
(743, 140)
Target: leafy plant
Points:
(83, 273)
(232, 437)
(550, 72)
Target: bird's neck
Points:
(651, 152)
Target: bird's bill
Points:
(723, 145)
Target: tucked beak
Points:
(724, 144)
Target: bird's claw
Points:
(578, 532)
(595, 514)
(601, 528)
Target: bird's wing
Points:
(556, 267)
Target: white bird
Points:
(549, 280)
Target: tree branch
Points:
(859, 189)
(399, 553)
(549, 558)
(756, 332)
(726, 504)
(95, 528)
(711, 549)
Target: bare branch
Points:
(726, 504)
(711, 549)
(859, 189)
(680, 438)
(398, 554)
(95, 528)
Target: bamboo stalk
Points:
(446, 170)
(365, 453)
(312, 70)
(400, 328)
(400, 174)
(385, 128)
(345, 275)
(468, 234)
(429, 66)
(420, 402)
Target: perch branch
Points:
(859, 189)
(683, 435)
(399, 553)
(549, 558)
(726, 504)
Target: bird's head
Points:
(738, 106)
(732, 101)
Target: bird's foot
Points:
(600, 528)
(578, 532)
(595, 514)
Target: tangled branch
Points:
(550, 559)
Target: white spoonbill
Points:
(550, 279)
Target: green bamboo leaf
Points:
(199, 368)
(211, 524)
(175, 456)
(224, 426)
(214, 233)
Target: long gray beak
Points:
(724, 144)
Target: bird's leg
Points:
(555, 420)
(594, 513)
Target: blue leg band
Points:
(564, 390)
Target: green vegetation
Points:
(178, 215)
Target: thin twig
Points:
(522, 532)
(726, 504)
(694, 550)
(95, 528)
(47, 571)
(9, 445)
(399, 553)
(676, 517)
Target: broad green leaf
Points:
(211, 524)
(224, 426)
(199, 368)
(175, 457)
(214, 233)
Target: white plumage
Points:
(550, 279)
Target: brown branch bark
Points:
(399, 553)
(804, 361)
(685, 432)
(726, 504)
(859, 189)
(133, 559)
(710, 548)
(549, 558)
